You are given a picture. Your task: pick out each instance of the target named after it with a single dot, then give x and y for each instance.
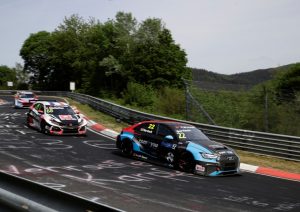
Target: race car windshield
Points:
(189, 133)
(27, 96)
(60, 111)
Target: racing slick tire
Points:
(28, 121)
(186, 162)
(43, 127)
(127, 148)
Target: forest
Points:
(139, 65)
(103, 57)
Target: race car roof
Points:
(166, 122)
(54, 103)
(24, 92)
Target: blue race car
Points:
(178, 145)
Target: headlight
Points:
(82, 121)
(55, 122)
(209, 156)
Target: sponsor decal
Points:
(153, 145)
(185, 127)
(200, 168)
(230, 158)
(170, 157)
(183, 130)
(145, 130)
(140, 156)
(216, 146)
(166, 144)
(65, 117)
(225, 152)
(143, 141)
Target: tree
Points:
(22, 77)
(36, 56)
(104, 57)
(157, 59)
(68, 53)
(287, 83)
(6, 75)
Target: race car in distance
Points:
(178, 145)
(56, 118)
(24, 99)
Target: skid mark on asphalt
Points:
(101, 144)
(54, 185)
(86, 173)
(11, 155)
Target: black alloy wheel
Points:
(28, 121)
(127, 148)
(43, 127)
(186, 162)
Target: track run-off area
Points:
(90, 166)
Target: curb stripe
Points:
(248, 167)
(98, 127)
(278, 173)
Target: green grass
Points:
(99, 117)
(270, 162)
(246, 157)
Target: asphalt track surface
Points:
(91, 167)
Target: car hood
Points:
(66, 119)
(27, 99)
(211, 146)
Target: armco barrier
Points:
(19, 194)
(281, 146)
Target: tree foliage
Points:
(16, 75)
(287, 83)
(35, 53)
(106, 56)
(6, 75)
(140, 95)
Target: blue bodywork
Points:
(208, 162)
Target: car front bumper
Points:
(217, 169)
(58, 130)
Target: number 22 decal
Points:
(151, 126)
(181, 135)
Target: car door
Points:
(36, 112)
(168, 143)
(147, 138)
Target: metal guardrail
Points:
(280, 146)
(19, 194)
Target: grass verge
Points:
(246, 157)
(99, 117)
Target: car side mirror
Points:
(169, 138)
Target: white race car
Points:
(24, 99)
(56, 118)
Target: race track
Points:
(91, 167)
